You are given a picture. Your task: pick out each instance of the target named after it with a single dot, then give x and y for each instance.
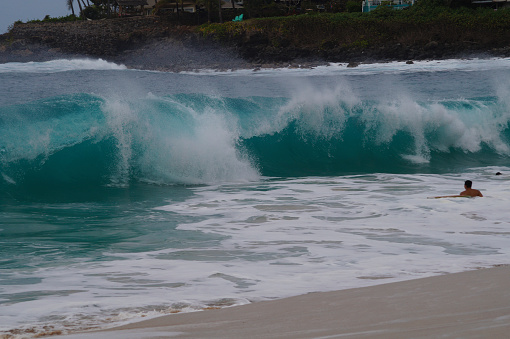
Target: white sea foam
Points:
(331, 69)
(60, 65)
(395, 67)
(281, 238)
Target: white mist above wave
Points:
(60, 65)
(175, 143)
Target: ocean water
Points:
(127, 194)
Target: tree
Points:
(70, 6)
(208, 4)
(219, 5)
(104, 5)
(81, 8)
(83, 3)
(177, 10)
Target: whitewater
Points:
(127, 194)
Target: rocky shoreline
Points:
(155, 44)
(138, 42)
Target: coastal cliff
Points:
(151, 42)
(147, 42)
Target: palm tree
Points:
(81, 8)
(70, 6)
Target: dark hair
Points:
(468, 183)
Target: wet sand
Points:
(474, 304)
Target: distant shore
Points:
(155, 44)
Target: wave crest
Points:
(86, 140)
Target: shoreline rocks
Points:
(153, 43)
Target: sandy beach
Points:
(473, 304)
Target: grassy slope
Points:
(379, 32)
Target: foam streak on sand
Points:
(472, 304)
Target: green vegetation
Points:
(47, 18)
(414, 25)
(273, 32)
(329, 26)
(330, 11)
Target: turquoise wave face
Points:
(373, 137)
(86, 142)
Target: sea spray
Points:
(165, 140)
(204, 139)
(319, 113)
(60, 65)
(121, 120)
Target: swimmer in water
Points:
(467, 193)
(470, 192)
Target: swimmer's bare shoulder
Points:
(470, 192)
